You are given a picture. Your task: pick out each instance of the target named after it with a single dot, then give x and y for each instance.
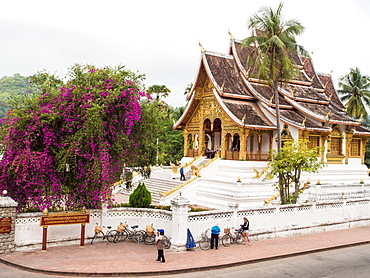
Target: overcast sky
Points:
(159, 38)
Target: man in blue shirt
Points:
(215, 231)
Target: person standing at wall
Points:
(160, 246)
(215, 231)
(245, 230)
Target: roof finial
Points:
(222, 86)
(231, 36)
(271, 98)
(327, 115)
(201, 47)
(304, 121)
(329, 98)
(312, 78)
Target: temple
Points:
(232, 113)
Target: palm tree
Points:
(272, 57)
(159, 90)
(355, 89)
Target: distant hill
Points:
(11, 86)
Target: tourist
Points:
(245, 230)
(159, 239)
(215, 231)
(182, 176)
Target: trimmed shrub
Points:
(141, 197)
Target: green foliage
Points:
(141, 197)
(272, 58)
(159, 91)
(355, 91)
(12, 87)
(289, 163)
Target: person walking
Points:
(160, 246)
(215, 231)
(245, 230)
(182, 176)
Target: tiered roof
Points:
(309, 102)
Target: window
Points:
(336, 146)
(355, 147)
(314, 141)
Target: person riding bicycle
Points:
(245, 231)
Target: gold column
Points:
(349, 136)
(242, 151)
(363, 148)
(223, 144)
(186, 143)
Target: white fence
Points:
(265, 222)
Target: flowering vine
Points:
(67, 147)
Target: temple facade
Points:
(231, 113)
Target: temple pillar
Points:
(363, 148)
(186, 143)
(201, 142)
(242, 138)
(348, 138)
(223, 144)
(326, 139)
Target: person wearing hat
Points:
(159, 239)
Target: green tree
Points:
(159, 91)
(355, 89)
(12, 87)
(273, 56)
(141, 197)
(294, 158)
(68, 146)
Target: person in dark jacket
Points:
(245, 230)
(182, 175)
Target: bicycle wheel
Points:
(112, 236)
(138, 236)
(204, 244)
(167, 242)
(239, 238)
(149, 239)
(226, 240)
(122, 236)
(95, 236)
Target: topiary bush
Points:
(141, 197)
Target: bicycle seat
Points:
(109, 227)
(135, 226)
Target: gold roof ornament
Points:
(304, 121)
(308, 181)
(361, 181)
(271, 98)
(243, 119)
(222, 86)
(201, 48)
(231, 36)
(239, 179)
(318, 182)
(312, 78)
(329, 98)
(327, 115)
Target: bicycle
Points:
(205, 242)
(123, 232)
(109, 235)
(149, 237)
(229, 238)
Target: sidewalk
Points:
(127, 258)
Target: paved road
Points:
(347, 262)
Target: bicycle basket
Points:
(149, 230)
(98, 229)
(121, 227)
(227, 231)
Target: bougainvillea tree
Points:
(67, 147)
